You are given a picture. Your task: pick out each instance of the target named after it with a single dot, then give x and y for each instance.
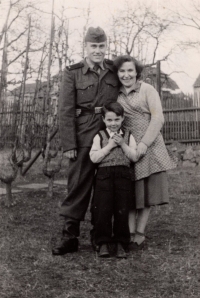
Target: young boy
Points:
(113, 149)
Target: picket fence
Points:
(182, 121)
(33, 124)
(182, 118)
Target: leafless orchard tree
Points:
(189, 18)
(23, 138)
(13, 42)
(139, 31)
(8, 173)
(52, 158)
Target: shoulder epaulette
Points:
(108, 61)
(75, 66)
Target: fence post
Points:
(158, 79)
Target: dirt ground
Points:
(167, 267)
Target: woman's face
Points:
(127, 74)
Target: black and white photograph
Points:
(99, 148)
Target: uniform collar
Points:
(91, 65)
(88, 66)
(135, 88)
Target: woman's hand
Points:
(119, 140)
(141, 150)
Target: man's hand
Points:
(71, 154)
(119, 140)
(141, 150)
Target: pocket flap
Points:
(113, 83)
(83, 85)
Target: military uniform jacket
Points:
(82, 88)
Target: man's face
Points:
(112, 121)
(96, 51)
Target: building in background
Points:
(168, 86)
(196, 87)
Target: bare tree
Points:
(50, 115)
(188, 17)
(138, 31)
(8, 173)
(13, 49)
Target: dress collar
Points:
(135, 88)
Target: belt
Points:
(94, 111)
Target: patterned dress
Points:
(156, 159)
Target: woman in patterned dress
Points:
(144, 118)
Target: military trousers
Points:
(80, 181)
(113, 192)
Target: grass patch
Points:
(167, 267)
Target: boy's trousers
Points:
(112, 195)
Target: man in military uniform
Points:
(86, 87)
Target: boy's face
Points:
(112, 121)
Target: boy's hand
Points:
(119, 140)
(111, 143)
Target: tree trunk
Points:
(8, 198)
(50, 186)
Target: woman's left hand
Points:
(141, 150)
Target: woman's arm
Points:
(154, 107)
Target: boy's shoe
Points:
(104, 252)
(66, 245)
(120, 253)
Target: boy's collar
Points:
(111, 133)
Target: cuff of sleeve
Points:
(145, 141)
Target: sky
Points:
(184, 65)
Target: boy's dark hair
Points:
(114, 107)
(126, 58)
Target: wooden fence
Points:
(182, 118)
(182, 121)
(32, 124)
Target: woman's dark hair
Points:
(126, 58)
(114, 107)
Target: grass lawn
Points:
(167, 267)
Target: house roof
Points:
(170, 84)
(29, 88)
(166, 81)
(197, 82)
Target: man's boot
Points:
(69, 242)
(66, 245)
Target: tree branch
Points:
(20, 54)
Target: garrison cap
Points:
(95, 35)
